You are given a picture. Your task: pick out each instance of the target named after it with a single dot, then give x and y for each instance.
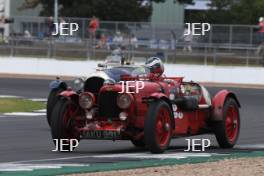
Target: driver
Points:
(155, 66)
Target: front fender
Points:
(218, 104)
(157, 95)
(161, 96)
(58, 84)
(68, 93)
(154, 96)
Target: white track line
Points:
(49, 159)
(32, 99)
(40, 111)
(9, 96)
(38, 99)
(250, 146)
(29, 114)
(178, 155)
(143, 155)
(30, 167)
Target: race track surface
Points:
(28, 138)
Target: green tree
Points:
(220, 4)
(247, 11)
(230, 12)
(121, 10)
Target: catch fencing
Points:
(223, 44)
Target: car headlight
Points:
(78, 84)
(124, 100)
(86, 100)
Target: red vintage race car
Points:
(130, 103)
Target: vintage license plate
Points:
(101, 135)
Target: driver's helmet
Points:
(155, 65)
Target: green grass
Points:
(19, 105)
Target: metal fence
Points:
(223, 44)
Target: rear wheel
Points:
(158, 126)
(52, 100)
(227, 131)
(62, 122)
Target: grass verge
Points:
(19, 105)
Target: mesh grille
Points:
(108, 106)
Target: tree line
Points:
(219, 12)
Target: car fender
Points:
(218, 104)
(162, 96)
(157, 95)
(70, 94)
(58, 84)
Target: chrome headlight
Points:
(124, 100)
(78, 84)
(86, 100)
(123, 116)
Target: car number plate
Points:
(101, 135)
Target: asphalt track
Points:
(28, 138)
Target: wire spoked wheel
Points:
(163, 132)
(231, 123)
(158, 127)
(63, 123)
(227, 130)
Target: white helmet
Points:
(155, 65)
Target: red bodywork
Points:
(187, 122)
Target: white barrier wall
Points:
(213, 74)
(218, 74)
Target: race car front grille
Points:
(93, 84)
(108, 106)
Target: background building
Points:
(11, 8)
(169, 12)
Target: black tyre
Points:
(227, 130)
(158, 126)
(52, 100)
(62, 122)
(138, 143)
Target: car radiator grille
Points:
(108, 106)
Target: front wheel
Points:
(158, 126)
(227, 130)
(62, 122)
(52, 100)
